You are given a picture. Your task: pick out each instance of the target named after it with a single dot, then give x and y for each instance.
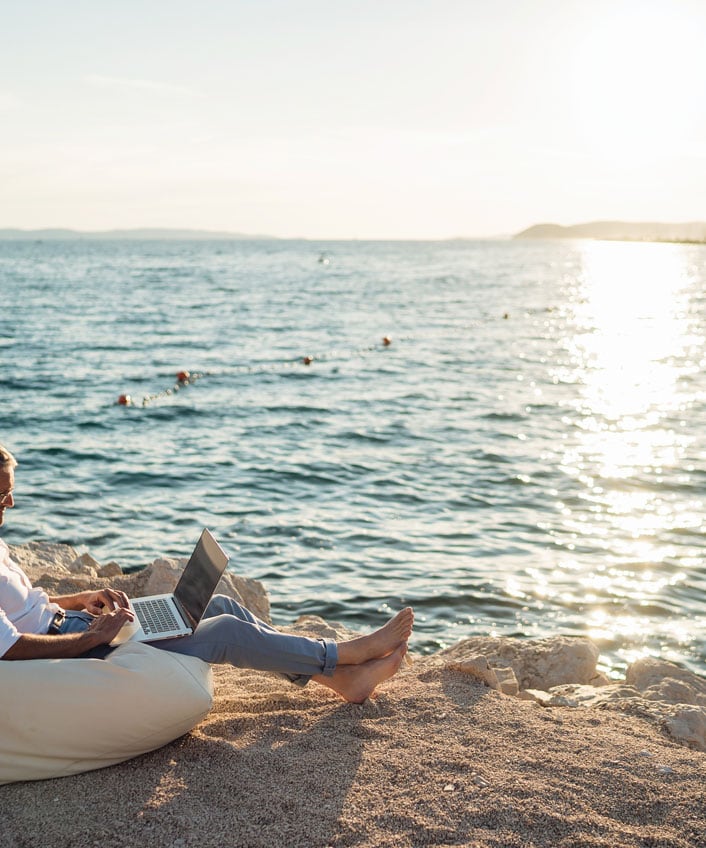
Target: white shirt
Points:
(23, 609)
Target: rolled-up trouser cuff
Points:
(330, 663)
(331, 660)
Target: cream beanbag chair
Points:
(60, 717)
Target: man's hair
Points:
(7, 460)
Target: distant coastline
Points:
(689, 233)
(685, 233)
(138, 234)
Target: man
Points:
(35, 626)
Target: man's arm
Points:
(103, 630)
(94, 601)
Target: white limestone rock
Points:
(584, 695)
(36, 558)
(479, 668)
(319, 628)
(110, 569)
(537, 663)
(507, 680)
(687, 725)
(539, 696)
(85, 565)
(665, 681)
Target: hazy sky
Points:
(385, 119)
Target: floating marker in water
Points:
(125, 400)
(386, 341)
(183, 376)
(307, 360)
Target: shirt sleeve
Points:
(9, 634)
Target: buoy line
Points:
(188, 378)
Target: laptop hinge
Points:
(189, 619)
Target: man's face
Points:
(7, 485)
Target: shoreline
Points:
(452, 751)
(553, 671)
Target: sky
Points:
(385, 119)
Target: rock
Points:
(537, 695)
(110, 569)
(687, 725)
(576, 694)
(507, 680)
(159, 577)
(86, 565)
(652, 675)
(671, 692)
(537, 663)
(479, 668)
(38, 557)
(252, 593)
(314, 625)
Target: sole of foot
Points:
(357, 683)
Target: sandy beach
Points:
(437, 758)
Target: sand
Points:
(436, 758)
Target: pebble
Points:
(449, 787)
(665, 770)
(646, 754)
(480, 781)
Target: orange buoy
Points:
(307, 360)
(125, 400)
(386, 341)
(183, 376)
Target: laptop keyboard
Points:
(156, 616)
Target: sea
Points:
(507, 435)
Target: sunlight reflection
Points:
(631, 349)
(631, 326)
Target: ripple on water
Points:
(515, 475)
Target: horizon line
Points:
(222, 235)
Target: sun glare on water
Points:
(632, 349)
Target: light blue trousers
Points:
(230, 633)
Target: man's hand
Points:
(102, 630)
(106, 627)
(95, 601)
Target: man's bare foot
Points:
(355, 683)
(380, 643)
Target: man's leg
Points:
(230, 633)
(355, 683)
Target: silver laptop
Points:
(172, 615)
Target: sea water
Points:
(525, 457)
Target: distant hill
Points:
(144, 233)
(621, 231)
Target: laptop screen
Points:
(200, 577)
